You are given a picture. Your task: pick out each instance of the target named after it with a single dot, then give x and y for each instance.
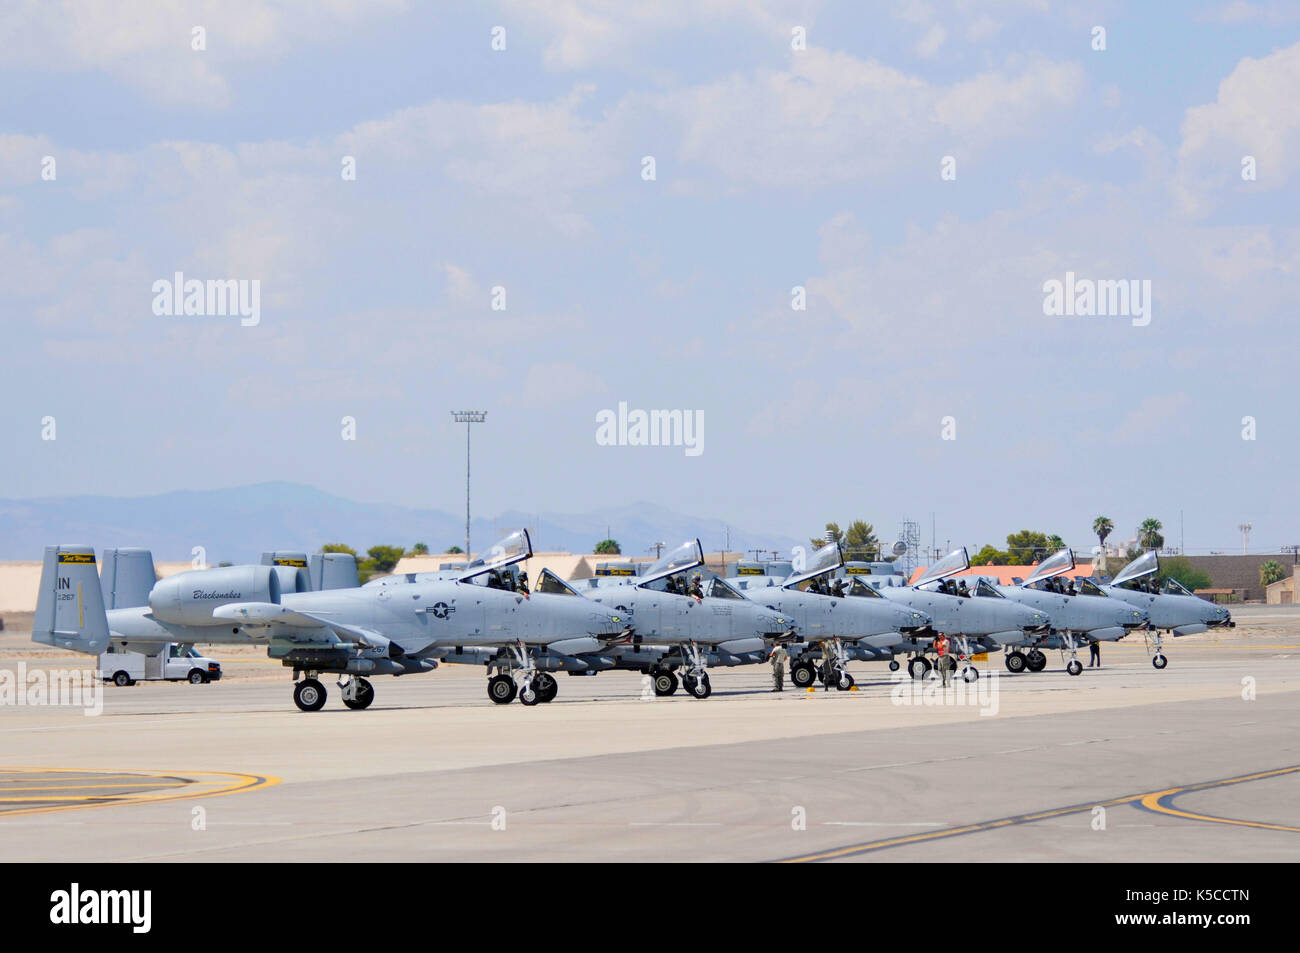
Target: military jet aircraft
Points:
(834, 629)
(1171, 608)
(1076, 614)
(976, 624)
(673, 630)
(391, 630)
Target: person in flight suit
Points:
(696, 589)
(521, 585)
(777, 658)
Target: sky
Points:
(921, 171)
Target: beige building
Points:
(20, 580)
(1282, 592)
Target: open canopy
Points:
(686, 556)
(1053, 565)
(827, 559)
(514, 548)
(1144, 565)
(955, 562)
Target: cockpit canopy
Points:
(955, 562)
(686, 556)
(1144, 565)
(824, 560)
(1054, 565)
(514, 548)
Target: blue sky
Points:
(775, 167)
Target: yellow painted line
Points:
(231, 782)
(88, 787)
(1154, 797)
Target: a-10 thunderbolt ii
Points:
(1171, 607)
(834, 629)
(390, 630)
(1076, 614)
(975, 625)
(672, 631)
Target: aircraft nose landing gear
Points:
(1074, 667)
(358, 693)
(1159, 661)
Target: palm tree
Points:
(1149, 533)
(1102, 527)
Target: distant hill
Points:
(237, 524)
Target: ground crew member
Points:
(777, 659)
(945, 660)
(1094, 654)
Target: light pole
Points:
(468, 417)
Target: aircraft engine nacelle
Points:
(188, 598)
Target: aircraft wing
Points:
(270, 614)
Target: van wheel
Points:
(121, 680)
(197, 677)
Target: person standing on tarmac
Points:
(777, 658)
(941, 646)
(1094, 654)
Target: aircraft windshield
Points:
(1144, 565)
(552, 584)
(954, 562)
(859, 588)
(1173, 587)
(1089, 588)
(686, 556)
(721, 590)
(1053, 565)
(982, 588)
(512, 549)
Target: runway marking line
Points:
(197, 785)
(1156, 801)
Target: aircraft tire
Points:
(530, 689)
(502, 689)
(1075, 667)
(844, 682)
(893, 665)
(918, 667)
(700, 688)
(546, 687)
(665, 684)
(1036, 661)
(309, 695)
(1159, 661)
(1015, 662)
(970, 673)
(802, 674)
(365, 695)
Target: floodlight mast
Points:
(468, 417)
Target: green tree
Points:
(420, 549)
(338, 548)
(1181, 570)
(1055, 544)
(608, 547)
(1102, 527)
(1149, 534)
(1027, 546)
(860, 542)
(833, 534)
(383, 558)
(1271, 572)
(990, 555)
(451, 550)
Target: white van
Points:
(172, 662)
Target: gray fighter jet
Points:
(834, 629)
(1076, 615)
(977, 625)
(391, 630)
(1170, 607)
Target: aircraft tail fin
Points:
(70, 604)
(334, 571)
(127, 577)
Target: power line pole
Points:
(468, 417)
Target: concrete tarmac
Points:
(1200, 761)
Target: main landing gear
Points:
(665, 682)
(518, 677)
(918, 666)
(1015, 662)
(309, 694)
